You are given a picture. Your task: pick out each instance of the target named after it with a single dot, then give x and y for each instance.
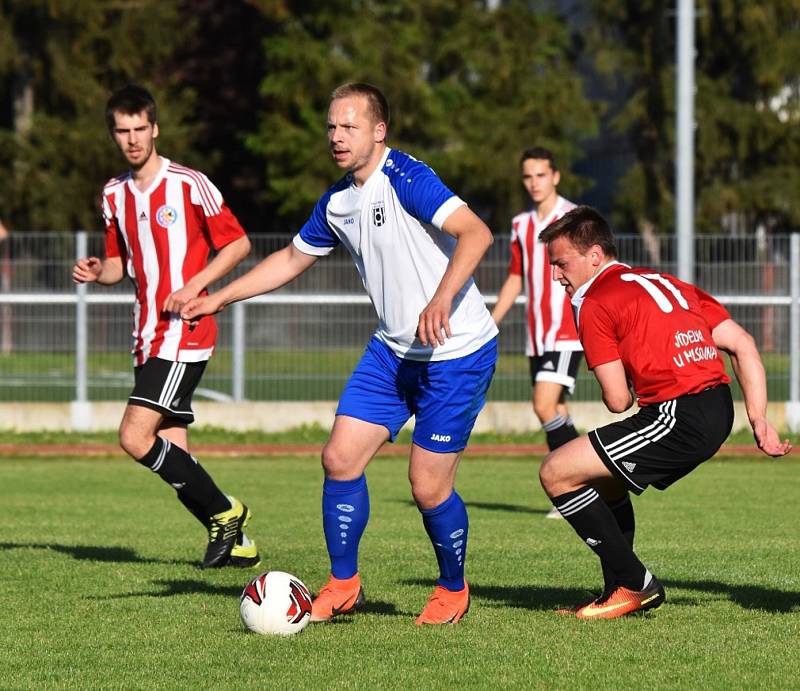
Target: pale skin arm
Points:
(271, 273)
(614, 384)
(749, 371)
(473, 239)
(224, 261)
(505, 298)
(106, 271)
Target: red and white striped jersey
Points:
(551, 325)
(164, 237)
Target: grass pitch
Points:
(98, 587)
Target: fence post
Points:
(793, 404)
(81, 408)
(238, 351)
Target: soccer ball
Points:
(275, 603)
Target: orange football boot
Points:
(624, 601)
(445, 606)
(338, 596)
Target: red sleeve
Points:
(113, 243)
(515, 265)
(224, 227)
(597, 333)
(713, 312)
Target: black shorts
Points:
(167, 387)
(559, 366)
(665, 441)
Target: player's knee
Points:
(548, 474)
(428, 496)
(336, 463)
(545, 411)
(134, 443)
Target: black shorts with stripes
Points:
(167, 387)
(665, 441)
(559, 366)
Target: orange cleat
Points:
(573, 609)
(624, 601)
(338, 596)
(445, 606)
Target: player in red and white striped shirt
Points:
(552, 342)
(162, 222)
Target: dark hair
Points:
(378, 105)
(540, 154)
(583, 227)
(130, 100)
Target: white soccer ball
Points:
(275, 603)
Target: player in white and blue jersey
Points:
(415, 245)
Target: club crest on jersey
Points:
(166, 216)
(378, 214)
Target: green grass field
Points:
(98, 587)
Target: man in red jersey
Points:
(551, 343)
(162, 222)
(660, 337)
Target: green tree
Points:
(470, 88)
(746, 110)
(58, 63)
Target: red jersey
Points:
(164, 237)
(659, 326)
(551, 325)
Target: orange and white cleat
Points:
(623, 601)
(445, 606)
(338, 596)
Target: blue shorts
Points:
(445, 396)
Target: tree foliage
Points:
(747, 110)
(470, 88)
(58, 63)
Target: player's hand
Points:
(199, 307)
(176, 301)
(768, 440)
(87, 270)
(434, 322)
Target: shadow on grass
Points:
(118, 555)
(192, 586)
(746, 596)
(489, 506)
(536, 597)
(172, 588)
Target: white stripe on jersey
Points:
(202, 193)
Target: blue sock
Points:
(345, 512)
(447, 526)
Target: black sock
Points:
(596, 525)
(177, 468)
(559, 431)
(623, 513)
(194, 508)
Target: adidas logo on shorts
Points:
(629, 466)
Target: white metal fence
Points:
(59, 342)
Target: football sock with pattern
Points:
(179, 469)
(559, 430)
(623, 513)
(447, 526)
(345, 512)
(597, 526)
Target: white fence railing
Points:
(738, 279)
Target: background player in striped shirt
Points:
(551, 341)
(660, 337)
(162, 222)
(415, 245)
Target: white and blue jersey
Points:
(392, 227)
